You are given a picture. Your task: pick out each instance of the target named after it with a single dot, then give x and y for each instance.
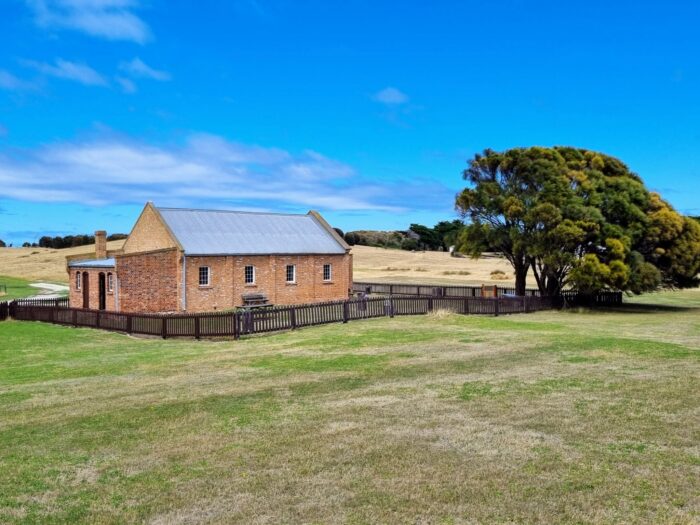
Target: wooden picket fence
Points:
(566, 298)
(432, 290)
(386, 300)
(246, 322)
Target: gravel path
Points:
(49, 290)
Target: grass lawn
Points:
(559, 417)
(16, 288)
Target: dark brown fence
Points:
(238, 323)
(567, 298)
(432, 290)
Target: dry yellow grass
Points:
(380, 264)
(43, 264)
(370, 264)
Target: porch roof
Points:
(92, 263)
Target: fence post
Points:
(75, 318)
(389, 307)
(495, 307)
(236, 325)
(196, 327)
(164, 327)
(293, 317)
(430, 304)
(346, 312)
(129, 327)
(97, 319)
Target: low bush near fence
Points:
(262, 320)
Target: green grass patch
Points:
(16, 288)
(580, 347)
(555, 417)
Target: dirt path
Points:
(49, 290)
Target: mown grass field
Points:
(554, 417)
(14, 288)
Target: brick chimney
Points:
(100, 244)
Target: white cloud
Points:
(110, 19)
(137, 68)
(11, 83)
(205, 170)
(390, 96)
(127, 85)
(69, 71)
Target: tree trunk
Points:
(521, 269)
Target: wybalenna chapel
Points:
(185, 260)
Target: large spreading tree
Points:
(575, 218)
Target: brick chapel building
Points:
(184, 260)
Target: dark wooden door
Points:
(86, 290)
(103, 291)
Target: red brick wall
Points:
(219, 294)
(149, 281)
(75, 296)
(227, 280)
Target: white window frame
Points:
(199, 276)
(294, 273)
(245, 274)
(110, 282)
(330, 272)
(78, 280)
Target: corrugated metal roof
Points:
(93, 263)
(218, 232)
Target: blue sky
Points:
(366, 111)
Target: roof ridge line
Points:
(234, 211)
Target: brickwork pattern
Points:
(149, 234)
(227, 280)
(149, 282)
(90, 278)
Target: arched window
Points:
(110, 282)
(77, 280)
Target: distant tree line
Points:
(69, 241)
(418, 237)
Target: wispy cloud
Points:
(67, 70)
(138, 68)
(110, 19)
(126, 84)
(204, 170)
(10, 82)
(390, 96)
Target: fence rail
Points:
(432, 290)
(239, 323)
(246, 322)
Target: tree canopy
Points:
(576, 218)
